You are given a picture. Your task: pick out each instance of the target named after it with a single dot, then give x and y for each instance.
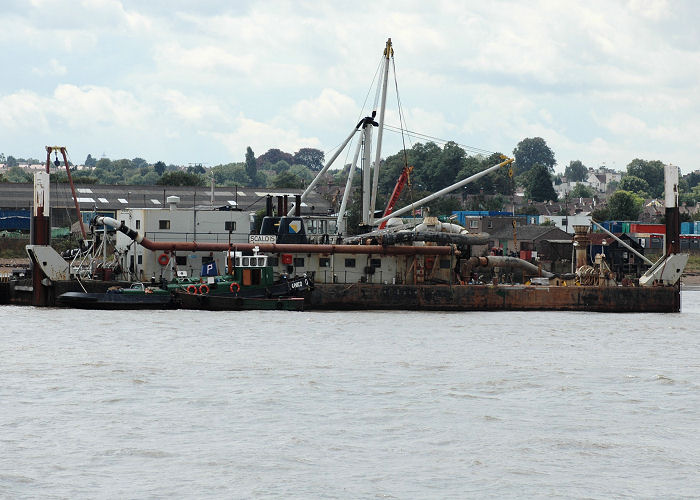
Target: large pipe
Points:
(445, 190)
(193, 246)
(504, 261)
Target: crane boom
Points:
(400, 184)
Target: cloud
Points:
(74, 107)
(261, 137)
(329, 106)
(54, 68)
(594, 79)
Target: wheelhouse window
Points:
(163, 224)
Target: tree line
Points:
(435, 167)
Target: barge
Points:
(429, 266)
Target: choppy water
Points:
(349, 405)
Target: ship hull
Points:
(109, 300)
(360, 296)
(494, 298)
(230, 302)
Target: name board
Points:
(262, 238)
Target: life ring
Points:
(236, 286)
(163, 259)
(204, 289)
(192, 289)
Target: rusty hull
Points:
(494, 298)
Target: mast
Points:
(367, 136)
(348, 184)
(62, 149)
(388, 53)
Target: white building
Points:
(204, 225)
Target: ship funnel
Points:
(581, 241)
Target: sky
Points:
(185, 82)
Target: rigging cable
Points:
(437, 140)
(402, 119)
(403, 126)
(364, 103)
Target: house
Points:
(601, 178)
(620, 259)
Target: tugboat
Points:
(247, 284)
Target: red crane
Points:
(400, 184)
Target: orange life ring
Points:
(163, 259)
(236, 286)
(192, 289)
(204, 289)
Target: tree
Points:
(650, 171)
(302, 173)
(90, 161)
(623, 205)
(18, 174)
(693, 178)
(286, 180)
(581, 191)
(576, 171)
(280, 166)
(180, 178)
(533, 151)
(310, 157)
(540, 184)
(11, 162)
(138, 162)
(600, 214)
(251, 167)
(196, 169)
(231, 174)
(274, 156)
(634, 184)
(159, 167)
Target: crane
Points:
(404, 179)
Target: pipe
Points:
(193, 246)
(504, 261)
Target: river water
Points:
(349, 404)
